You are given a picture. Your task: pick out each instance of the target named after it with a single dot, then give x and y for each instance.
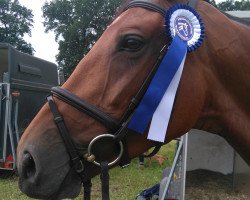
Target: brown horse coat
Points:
(213, 95)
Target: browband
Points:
(148, 5)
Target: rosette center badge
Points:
(184, 28)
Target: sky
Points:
(43, 43)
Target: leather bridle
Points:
(117, 130)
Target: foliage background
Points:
(77, 25)
(15, 21)
(231, 5)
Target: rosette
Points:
(186, 32)
(184, 21)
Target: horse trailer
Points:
(25, 81)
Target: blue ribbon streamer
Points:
(158, 85)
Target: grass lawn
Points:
(125, 184)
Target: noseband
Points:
(117, 130)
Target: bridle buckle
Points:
(89, 157)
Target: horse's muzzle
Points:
(44, 169)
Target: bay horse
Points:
(213, 95)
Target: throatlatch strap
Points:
(105, 180)
(155, 150)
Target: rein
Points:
(117, 130)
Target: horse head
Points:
(108, 78)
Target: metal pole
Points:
(178, 166)
(11, 132)
(165, 191)
(184, 166)
(15, 120)
(6, 117)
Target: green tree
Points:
(77, 25)
(229, 5)
(15, 22)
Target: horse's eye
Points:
(132, 44)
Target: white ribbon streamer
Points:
(160, 120)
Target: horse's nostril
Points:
(29, 167)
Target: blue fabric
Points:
(158, 85)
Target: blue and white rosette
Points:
(184, 21)
(186, 32)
